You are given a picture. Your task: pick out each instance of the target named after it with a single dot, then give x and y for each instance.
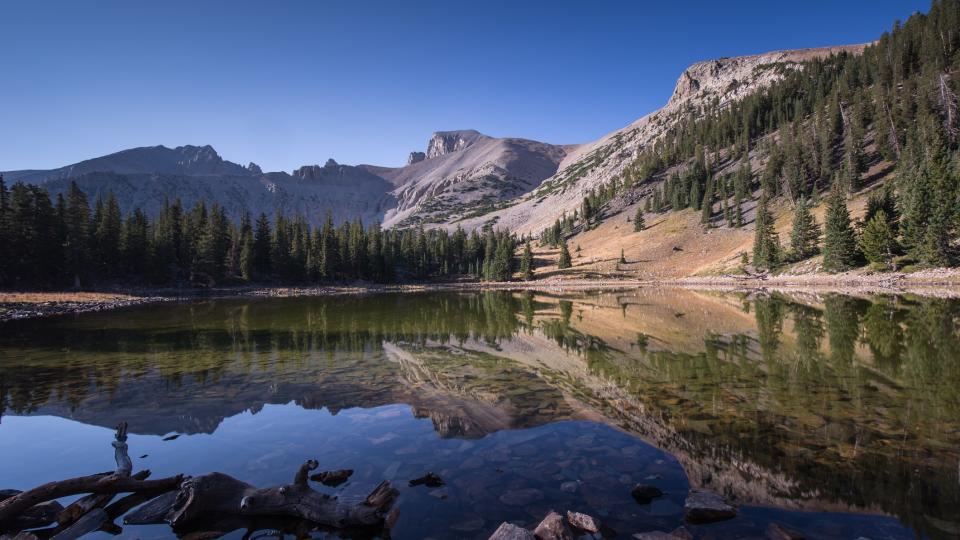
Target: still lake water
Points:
(835, 416)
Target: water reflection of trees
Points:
(842, 398)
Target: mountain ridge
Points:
(462, 178)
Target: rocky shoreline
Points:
(941, 283)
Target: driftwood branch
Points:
(97, 483)
(186, 504)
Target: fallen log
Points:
(88, 523)
(82, 506)
(218, 494)
(102, 483)
(41, 515)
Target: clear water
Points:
(835, 416)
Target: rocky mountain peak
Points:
(445, 142)
(730, 79)
(415, 157)
(254, 168)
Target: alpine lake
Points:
(835, 416)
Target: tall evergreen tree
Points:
(839, 241)
(805, 234)
(638, 223)
(564, 260)
(766, 244)
(526, 262)
(878, 241)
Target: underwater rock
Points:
(521, 497)
(430, 480)
(775, 531)
(644, 493)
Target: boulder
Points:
(583, 522)
(509, 531)
(703, 506)
(644, 493)
(416, 157)
(553, 527)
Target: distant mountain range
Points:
(462, 178)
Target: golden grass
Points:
(73, 297)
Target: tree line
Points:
(64, 242)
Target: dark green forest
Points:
(64, 243)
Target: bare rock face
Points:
(446, 142)
(415, 157)
(703, 506)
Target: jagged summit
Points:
(445, 142)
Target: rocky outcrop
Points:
(445, 142)
(415, 157)
(254, 168)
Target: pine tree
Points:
(638, 223)
(839, 240)
(805, 233)
(564, 261)
(77, 245)
(4, 233)
(878, 241)
(261, 248)
(108, 231)
(526, 262)
(623, 258)
(766, 245)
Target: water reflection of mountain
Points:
(831, 403)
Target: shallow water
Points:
(836, 416)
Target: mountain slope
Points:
(587, 166)
(467, 173)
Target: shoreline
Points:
(940, 283)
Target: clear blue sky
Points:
(291, 83)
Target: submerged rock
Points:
(553, 527)
(430, 479)
(569, 487)
(680, 533)
(654, 535)
(644, 493)
(583, 522)
(775, 531)
(509, 531)
(704, 506)
(521, 497)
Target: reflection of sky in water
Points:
(841, 405)
(510, 475)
